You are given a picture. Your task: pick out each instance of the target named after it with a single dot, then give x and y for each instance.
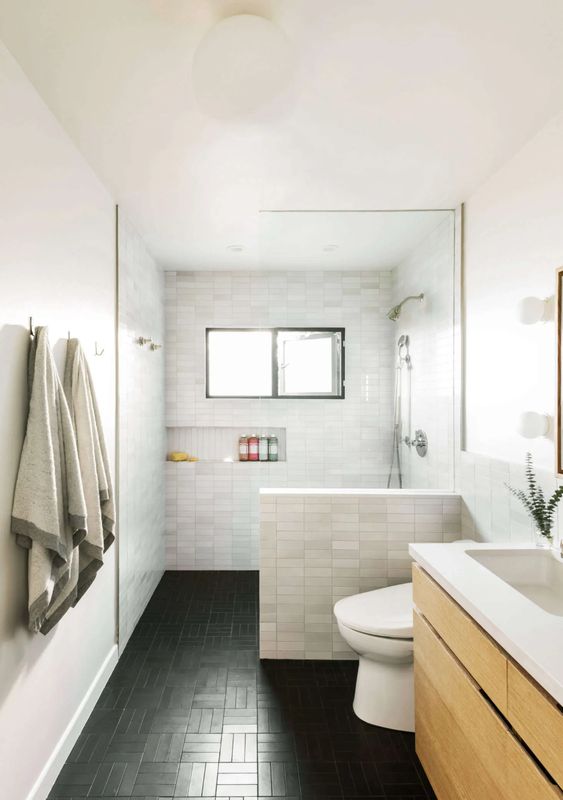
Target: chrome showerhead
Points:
(394, 313)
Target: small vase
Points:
(544, 540)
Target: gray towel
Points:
(94, 465)
(49, 510)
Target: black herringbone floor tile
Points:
(191, 712)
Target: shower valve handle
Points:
(420, 442)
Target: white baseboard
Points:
(55, 763)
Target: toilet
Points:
(377, 625)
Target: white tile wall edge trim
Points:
(125, 636)
(360, 492)
(62, 749)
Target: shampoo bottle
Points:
(263, 448)
(273, 448)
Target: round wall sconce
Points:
(532, 425)
(243, 63)
(534, 309)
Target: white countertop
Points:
(375, 492)
(532, 636)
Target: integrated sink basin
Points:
(535, 573)
(514, 592)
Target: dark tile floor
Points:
(190, 711)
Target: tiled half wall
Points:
(317, 546)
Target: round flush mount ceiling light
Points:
(235, 248)
(242, 64)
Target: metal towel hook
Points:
(102, 351)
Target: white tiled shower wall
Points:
(430, 328)
(213, 508)
(142, 439)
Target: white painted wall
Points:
(57, 263)
(142, 439)
(513, 245)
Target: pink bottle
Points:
(253, 448)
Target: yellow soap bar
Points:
(178, 456)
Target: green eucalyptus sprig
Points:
(541, 510)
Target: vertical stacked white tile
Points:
(142, 441)
(430, 269)
(318, 547)
(212, 507)
(490, 512)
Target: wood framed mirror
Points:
(559, 410)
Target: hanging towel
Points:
(65, 595)
(94, 465)
(87, 559)
(49, 510)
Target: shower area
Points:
(383, 278)
(393, 432)
(421, 452)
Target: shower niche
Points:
(219, 444)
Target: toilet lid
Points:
(383, 612)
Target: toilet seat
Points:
(383, 612)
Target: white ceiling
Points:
(396, 104)
(355, 240)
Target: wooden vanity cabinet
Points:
(484, 728)
(537, 719)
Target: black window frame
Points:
(275, 366)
